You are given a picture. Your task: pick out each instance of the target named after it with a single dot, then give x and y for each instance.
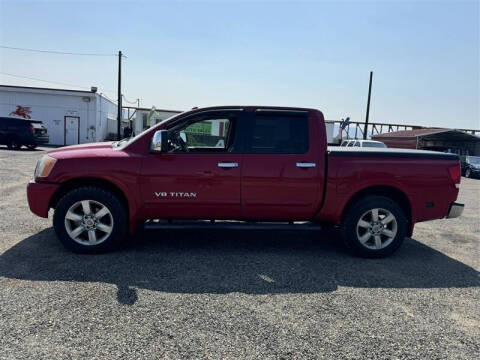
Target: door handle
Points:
(306, 165)
(227, 165)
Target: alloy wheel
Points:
(88, 222)
(377, 228)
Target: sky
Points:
(424, 55)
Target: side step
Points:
(228, 225)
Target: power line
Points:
(55, 51)
(130, 102)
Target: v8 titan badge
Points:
(174, 194)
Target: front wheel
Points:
(31, 146)
(374, 227)
(90, 220)
(468, 173)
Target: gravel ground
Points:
(225, 294)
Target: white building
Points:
(70, 116)
(144, 118)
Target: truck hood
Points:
(83, 150)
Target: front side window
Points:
(277, 134)
(205, 135)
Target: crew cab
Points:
(242, 167)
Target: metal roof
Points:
(149, 109)
(46, 88)
(452, 134)
(412, 133)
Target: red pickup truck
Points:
(257, 167)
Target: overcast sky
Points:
(425, 55)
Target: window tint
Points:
(207, 133)
(276, 134)
(212, 134)
(9, 122)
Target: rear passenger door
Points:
(280, 170)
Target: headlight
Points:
(44, 166)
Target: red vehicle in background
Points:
(264, 167)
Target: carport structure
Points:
(437, 139)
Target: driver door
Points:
(199, 177)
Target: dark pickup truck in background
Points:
(15, 132)
(470, 166)
(262, 167)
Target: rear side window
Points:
(277, 134)
(16, 123)
(6, 122)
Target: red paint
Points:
(39, 196)
(263, 187)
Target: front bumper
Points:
(455, 210)
(39, 196)
(41, 139)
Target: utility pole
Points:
(368, 107)
(119, 104)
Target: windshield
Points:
(126, 141)
(473, 160)
(374, 144)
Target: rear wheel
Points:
(90, 220)
(468, 173)
(13, 143)
(374, 226)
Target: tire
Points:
(31, 146)
(374, 239)
(468, 173)
(82, 232)
(13, 144)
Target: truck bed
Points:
(388, 152)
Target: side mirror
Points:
(159, 142)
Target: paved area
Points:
(235, 294)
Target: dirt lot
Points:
(235, 295)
